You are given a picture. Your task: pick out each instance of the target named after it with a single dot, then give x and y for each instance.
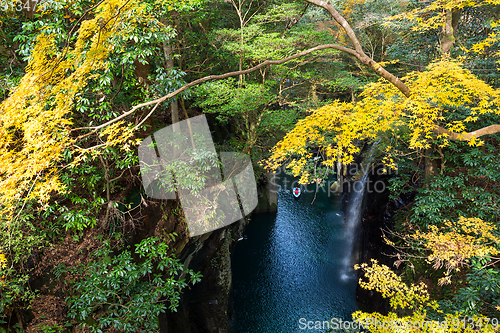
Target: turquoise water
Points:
(289, 270)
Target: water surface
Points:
(291, 266)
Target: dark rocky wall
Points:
(378, 214)
(206, 306)
(268, 196)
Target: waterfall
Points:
(352, 224)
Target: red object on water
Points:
(296, 190)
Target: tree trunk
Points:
(340, 178)
(142, 71)
(174, 107)
(314, 94)
(431, 166)
(449, 31)
(356, 52)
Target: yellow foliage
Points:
(431, 16)
(410, 306)
(443, 90)
(488, 41)
(349, 7)
(444, 87)
(3, 264)
(3, 260)
(382, 279)
(455, 243)
(119, 133)
(388, 159)
(310, 131)
(35, 119)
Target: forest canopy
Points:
(302, 84)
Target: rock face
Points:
(205, 307)
(268, 195)
(377, 216)
(374, 219)
(335, 187)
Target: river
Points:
(291, 268)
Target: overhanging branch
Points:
(492, 129)
(403, 88)
(357, 52)
(218, 77)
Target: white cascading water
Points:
(352, 224)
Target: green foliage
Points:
(480, 293)
(127, 294)
(260, 106)
(470, 192)
(14, 291)
(466, 188)
(416, 49)
(250, 109)
(19, 240)
(7, 83)
(208, 37)
(227, 99)
(44, 328)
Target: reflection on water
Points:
(290, 267)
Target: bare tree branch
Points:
(492, 129)
(218, 77)
(403, 88)
(357, 52)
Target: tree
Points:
(357, 52)
(407, 117)
(62, 120)
(80, 70)
(113, 293)
(382, 110)
(425, 123)
(412, 309)
(262, 104)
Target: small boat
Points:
(296, 192)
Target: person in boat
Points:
(296, 191)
